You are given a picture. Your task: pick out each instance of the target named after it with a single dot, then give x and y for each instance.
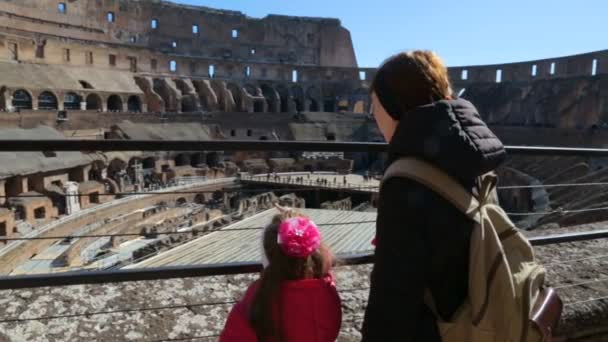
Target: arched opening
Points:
(134, 104)
(114, 103)
(40, 213)
(180, 202)
(298, 97)
(19, 213)
(149, 163)
(199, 199)
(93, 102)
(182, 160)
(116, 169)
(329, 104)
(270, 96)
(314, 106)
(71, 101)
(198, 159)
(96, 173)
(236, 95)
(313, 94)
(22, 99)
(213, 159)
(188, 104)
(47, 101)
(284, 97)
(258, 107)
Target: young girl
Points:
(295, 298)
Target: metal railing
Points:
(116, 276)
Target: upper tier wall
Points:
(270, 48)
(186, 30)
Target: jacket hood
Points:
(451, 135)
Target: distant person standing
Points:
(422, 240)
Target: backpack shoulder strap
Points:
(439, 182)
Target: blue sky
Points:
(465, 32)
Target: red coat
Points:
(311, 313)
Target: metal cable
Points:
(590, 282)
(152, 235)
(586, 301)
(559, 211)
(159, 308)
(158, 192)
(110, 312)
(548, 186)
(192, 338)
(563, 262)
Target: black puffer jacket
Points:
(422, 241)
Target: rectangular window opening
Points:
(174, 44)
(211, 71)
(552, 68)
(594, 67)
(362, 75)
(111, 17)
(133, 64)
(13, 49)
(464, 75)
(248, 71)
(534, 70)
(89, 57)
(194, 29)
(498, 75)
(252, 51)
(173, 66)
(40, 51)
(235, 33)
(153, 64)
(294, 76)
(62, 8)
(112, 60)
(154, 24)
(66, 55)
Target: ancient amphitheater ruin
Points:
(156, 70)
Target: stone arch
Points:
(188, 104)
(71, 101)
(213, 159)
(313, 96)
(47, 101)
(182, 159)
(272, 98)
(116, 166)
(161, 87)
(149, 163)
(284, 97)
(199, 199)
(134, 104)
(235, 91)
(97, 171)
(251, 89)
(114, 103)
(198, 159)
(298, 97)
(22, 99)
(93, 102)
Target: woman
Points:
(422, 241)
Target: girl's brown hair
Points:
(266, 306)
(409, 80)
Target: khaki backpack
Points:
(507, 300)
